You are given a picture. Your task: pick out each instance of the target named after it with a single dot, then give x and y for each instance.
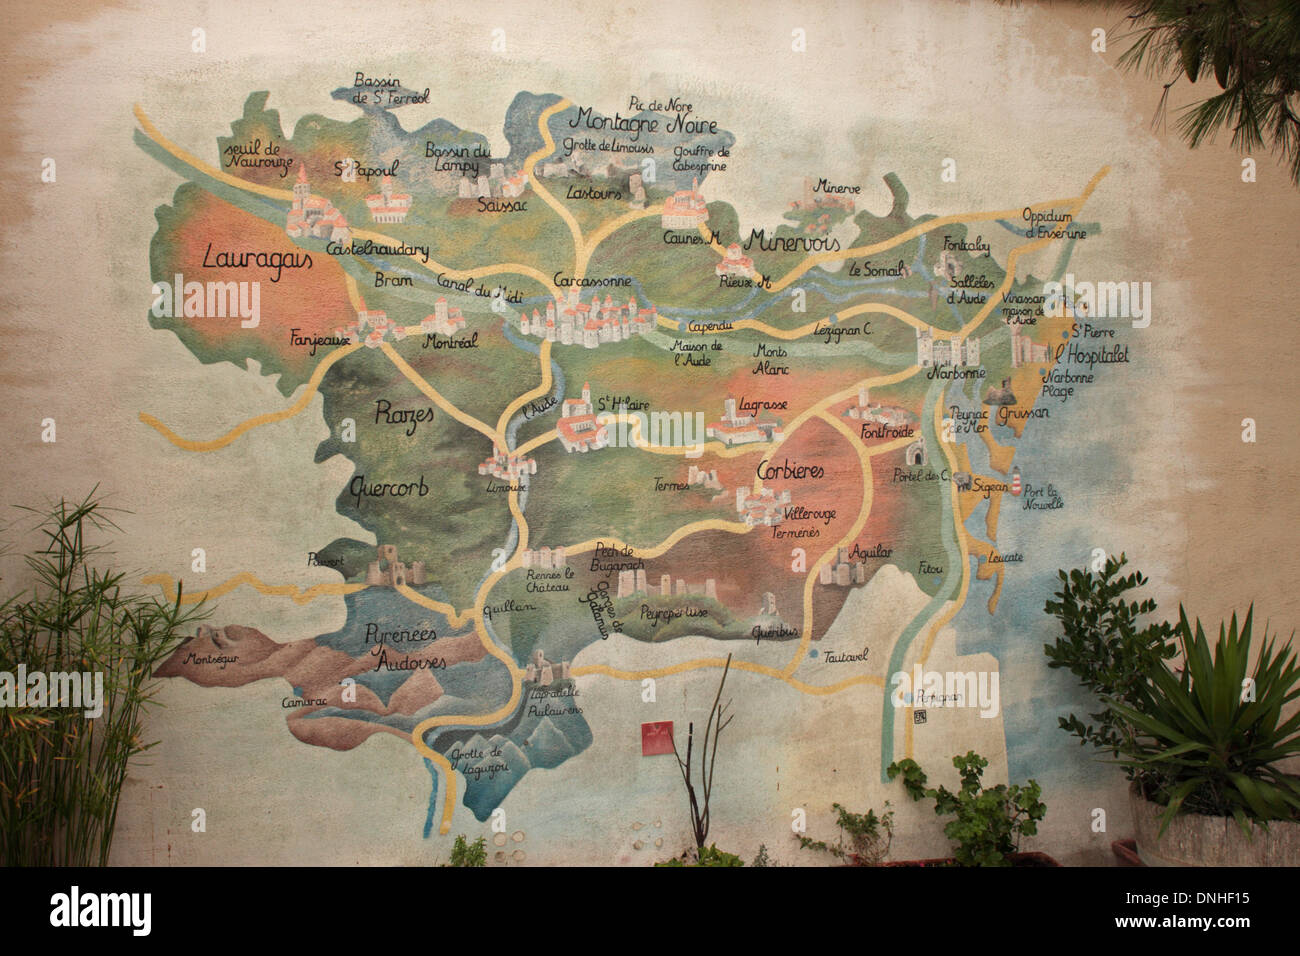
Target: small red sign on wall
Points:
(657, 738)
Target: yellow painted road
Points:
(298, 595)
(257, 420)
(419, 382)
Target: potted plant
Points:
(1206, 745)
(987, 823)
(1200, 738)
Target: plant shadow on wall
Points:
(1201, 734)
(77, 656)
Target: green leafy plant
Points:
(61, 772)
(712, 856)
(987, 823)
(1214, 733)
(705, 856)
(1106, 648)
(761, 858)
(464, 853)
(869, 836)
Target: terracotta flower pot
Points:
(1194, 839)
(1126, 852)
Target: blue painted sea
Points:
(1082, 452)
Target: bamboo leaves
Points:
(61, 774)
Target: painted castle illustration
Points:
(446, 320)
(698, 477)
(496, 184)
(578, 428)
(544, 557)
(637, 188)
(869, 411)
(543, 672)
(371, 328)
(587, 164)
(387, 571)
(685, 209)
(736, 263)
(314, 216)
(954, 351)
(947, 266)
(1024, 351)
(507, 466)
(589, 324)
(736, 429)
(386, 205)
(632, 582)
(1000, 396)
(842, 571)
(763, 508)
(811, 199)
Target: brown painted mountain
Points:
(386, 671)
(341, 693)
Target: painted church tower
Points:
(301, 191)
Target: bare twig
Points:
(708, 758)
